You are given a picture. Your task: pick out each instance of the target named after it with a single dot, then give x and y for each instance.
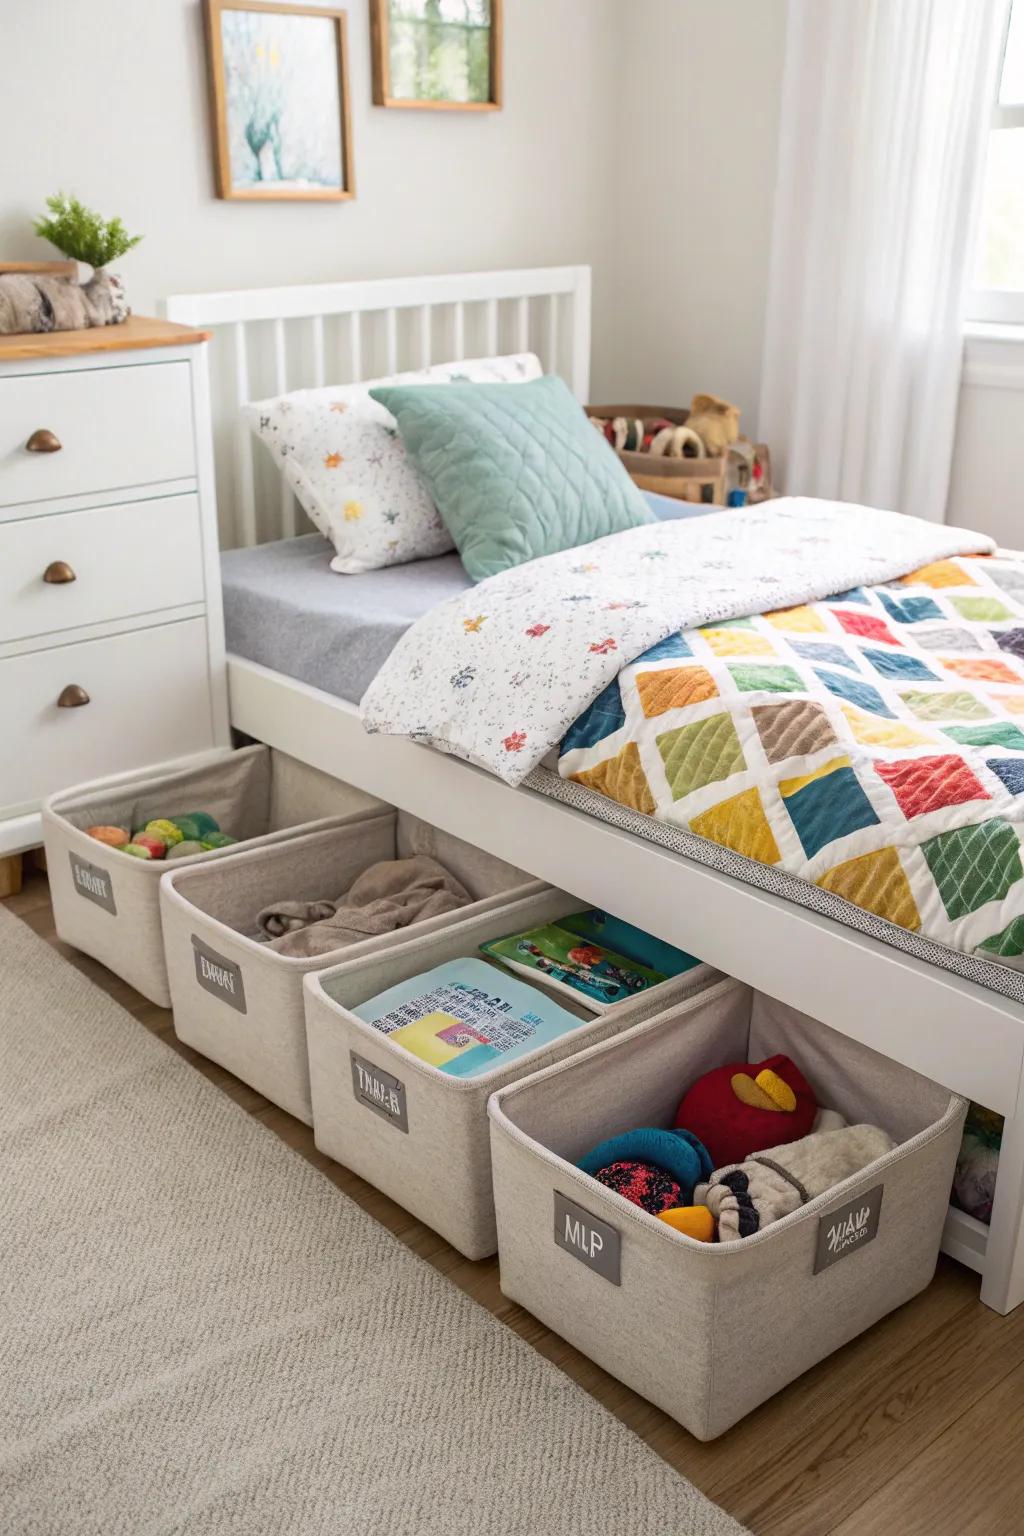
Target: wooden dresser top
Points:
(133, 334)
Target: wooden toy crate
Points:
(701, 480)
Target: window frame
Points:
(999, 306)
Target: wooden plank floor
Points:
(915, 1429)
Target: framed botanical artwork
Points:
(280, 100)
(441, 54)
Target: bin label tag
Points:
(587, 1238)
(218, 975)
(379, 1091)
(93, 883)
(843, 1231)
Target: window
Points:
(999, 259)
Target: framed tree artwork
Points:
(439, 54)
(280, 101)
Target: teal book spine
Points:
(639, 946)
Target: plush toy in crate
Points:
(695, 455)
(749, 1146)
(657, 436)
(705, 431)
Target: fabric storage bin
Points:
(708, 1331)
(239, 1002)
(411, 1130)
(106, 903)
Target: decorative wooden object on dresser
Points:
(111, 634)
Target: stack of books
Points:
(469, 1016)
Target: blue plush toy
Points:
(655, 1169)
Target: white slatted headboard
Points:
(268, 340)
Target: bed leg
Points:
(10, 875)
(1002, 1279)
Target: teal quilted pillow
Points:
(515, 470)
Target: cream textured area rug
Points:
(200, 1334)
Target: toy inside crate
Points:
(745, 466)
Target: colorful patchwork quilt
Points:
(871, 743)
(830, 690)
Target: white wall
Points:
(700, 84)
(987, 485)
(108, 99)
(638, 135)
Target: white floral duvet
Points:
(498, 674)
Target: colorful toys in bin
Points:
(114, 837)
(145, 846)
(654, 1169)
(712, 425)
(166, 837)
(750, 1145)
(744, 1197)
(745, 1107)
(656, 435)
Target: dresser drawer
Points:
(149, 701)
(116, 427)
(135, 558)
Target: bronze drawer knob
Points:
(72, 697)
(44, 441)
(58, 573)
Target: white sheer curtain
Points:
(885, 117)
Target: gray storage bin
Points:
(708, 1331)
(403, 1125)
(106, 903)
(239, 1002)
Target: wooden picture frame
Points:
(279, 188)
(381, 57)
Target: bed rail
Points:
(268, 340)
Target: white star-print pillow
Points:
(342, 455)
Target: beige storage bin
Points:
(106, 903)
(708, 1331)
(410, 1129)
(239, 1002)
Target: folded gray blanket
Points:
(385, 897)
(744, 1197)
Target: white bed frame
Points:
(961, 1035)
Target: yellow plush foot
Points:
(765, 1091)
(695, 1221)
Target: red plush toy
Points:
(748, 1106)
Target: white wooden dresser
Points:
(111, 633)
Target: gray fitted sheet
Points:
(286, 609)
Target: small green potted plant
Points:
(93, 242)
